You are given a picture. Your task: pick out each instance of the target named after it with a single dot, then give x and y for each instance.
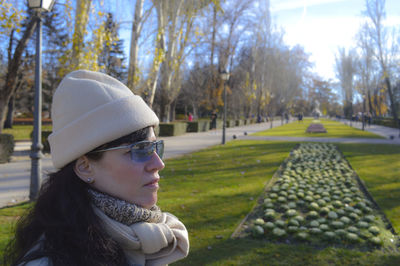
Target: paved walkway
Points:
(15, 176)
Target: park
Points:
(268, 159)
(213, 204)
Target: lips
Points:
(153, 183)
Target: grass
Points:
(379, 167)
(212, 190)
(23, 132)
(334, 130)
(8, 215)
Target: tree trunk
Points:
(172, 111)
(392, 103)
(371, 109)
(10, 113)
(212, 81)
(159, 51)
(13, 65)
(134, 49)
(81, 20)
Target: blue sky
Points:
(321, 26)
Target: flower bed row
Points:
(315, 198)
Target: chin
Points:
(150, 203)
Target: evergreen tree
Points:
(112, 58)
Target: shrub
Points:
(384, 121)
(230, 123)
(198, 126)
(239, 122)
(6, 147)
(172, 129)
(157, 131)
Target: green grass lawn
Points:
(212, 191)
(334, 130)
(23, 132)
(379, 167)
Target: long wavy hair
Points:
(62, 222)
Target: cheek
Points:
(124, 170)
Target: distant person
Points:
(369, 118)
(213, 120)
(287, 118)
(99, 207)
(190, 117)
(300, 117)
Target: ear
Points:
(83, 168)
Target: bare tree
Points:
(137, 26)
(346, 67)
(385, 47)
(175, 30)
(367, 68)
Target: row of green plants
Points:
(316, 198)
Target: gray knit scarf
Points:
(124, 212)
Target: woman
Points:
(100, 208)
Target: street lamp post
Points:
(36, 155)
(224, 76)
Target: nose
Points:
(155, 163)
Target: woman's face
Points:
(135, 182)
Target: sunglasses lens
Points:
(160, 148)
(143, 151)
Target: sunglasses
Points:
(142, 151)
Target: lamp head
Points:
(224, 75)
(41, 5)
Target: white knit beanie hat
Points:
(90, 109)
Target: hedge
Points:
(29, 121)
(6, 147)
(198, 126)
(157, 130)
(384, 121)
(230, 123)
(239, 122)
(172, 129)
(45, 142)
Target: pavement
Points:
(15, 175)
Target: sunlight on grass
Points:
(334, 130)
(22, 132)
(379, 167)
(8, 216)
